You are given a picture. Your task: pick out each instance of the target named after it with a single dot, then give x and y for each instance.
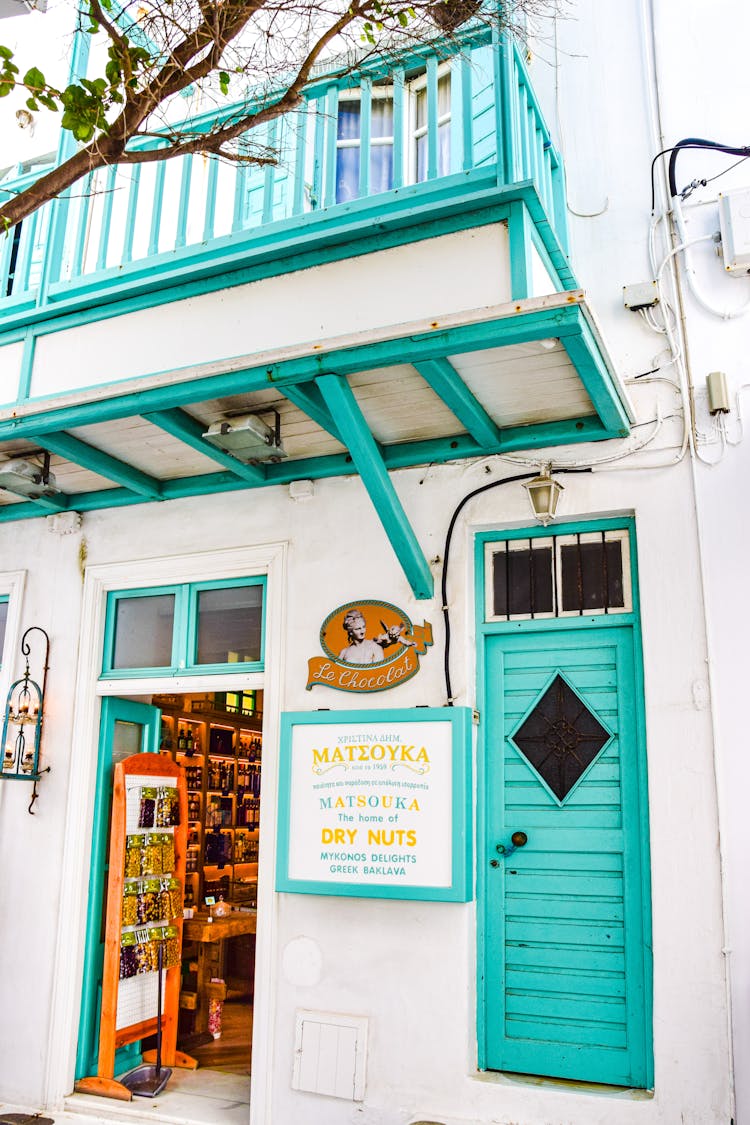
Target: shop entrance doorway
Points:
(217, 738)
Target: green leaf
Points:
(5, 87)
(32, 105)
(5, 53)
(223, 82)
(403, 19)
(34, 79)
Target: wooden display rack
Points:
(146, 767)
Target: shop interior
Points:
(216, 737)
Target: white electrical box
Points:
(734, 221)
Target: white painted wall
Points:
(408, 967)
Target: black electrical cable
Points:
(446, 551)
(688, 143)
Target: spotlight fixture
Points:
(544, 493)
(248, 438)
(24, 478)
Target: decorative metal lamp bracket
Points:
(22, 724)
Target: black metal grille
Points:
(560, 737)
(579, 574)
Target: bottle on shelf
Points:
(181, 740)
(189, 745)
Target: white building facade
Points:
(424, 332)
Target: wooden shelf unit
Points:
(221, 754)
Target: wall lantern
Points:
(22, 727)
(544, 492)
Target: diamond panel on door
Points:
(560, 737)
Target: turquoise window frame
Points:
(197, 588)
(185, 630)
(461, 887)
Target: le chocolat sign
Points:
(369, 646)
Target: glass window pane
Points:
(229, 625)
(347, 174)
(382, 118)
(444, 94)
(422, 158)
(348, 121)
(444, 149)
(3, 624)
(381, 168)
(522, 582)
(421, 107)
(592, 576)
(143, 632)
(127, 739)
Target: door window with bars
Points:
(558, 576)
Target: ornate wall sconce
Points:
(544, 493)
(22, 726)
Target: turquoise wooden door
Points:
(567, 969)
(126, 728)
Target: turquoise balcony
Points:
(393, 290)
(434, 137)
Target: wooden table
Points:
(208, 933)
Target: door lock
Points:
(517, 840)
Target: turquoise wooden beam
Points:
(592, 371)
(184, 427)
(340, 400)
(448, 385)
(88, 457)
(308, 399)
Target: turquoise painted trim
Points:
(191, 631)
(522, 328)
(157, 206)
(485, 630)
(342, 404)
(210, 209)
(184, 427)
(365, 135)
(441, 450)
(240, 198)
(319, 153)
(27, 366)
(185, 630)
(398, 127)
(447, 384)
(592, 370)
(432, 118)
(148, 718)
(404, 215)
(543, 253)
(308, 399)
(79, 245)
(26, 250)
(520, 238)
(467, 113)
(80, 453)
(109, 201)
(300, 124)
(135, 179)
(328, 190)
(460, 719)
(114, 597)
(269, 173)
(184, 204)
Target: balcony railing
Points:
(439, 127)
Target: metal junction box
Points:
(734, 219)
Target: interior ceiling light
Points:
(544, 493)
(24, 478)
(248, 437)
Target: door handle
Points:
(517, 840)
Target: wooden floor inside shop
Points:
(232, 1052)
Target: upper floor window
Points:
(198, 626)
(558, 576)
(421, 127)
(415, 132)
(349, 142)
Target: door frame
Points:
(270, 560)
(486, 630)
